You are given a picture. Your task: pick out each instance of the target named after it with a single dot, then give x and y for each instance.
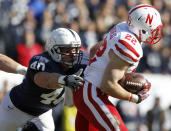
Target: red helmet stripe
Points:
(129, 47)
(140, 7)
(124, 53)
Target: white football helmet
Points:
(63, 38)
(145, 21)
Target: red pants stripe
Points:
(94, 107)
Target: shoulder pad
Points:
(128, 48)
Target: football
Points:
(134, 82)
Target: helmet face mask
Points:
(145, 22)
(156, 35)
(63, 46)
(68, 55)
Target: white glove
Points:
(71, 81)
(21, 69)
(142, 95)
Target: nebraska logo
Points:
(149, 19)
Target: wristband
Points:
(133, 98)
(130, 97)
(21, 69)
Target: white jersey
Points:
(123, 43)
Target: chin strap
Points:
(69, 65)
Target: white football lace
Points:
(133, 83)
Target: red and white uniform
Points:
(92, 104)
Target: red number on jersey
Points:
(99, 52)
(134, 41)
(130, 38)
(101, 49)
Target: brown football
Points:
(134, 82)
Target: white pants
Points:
(44, 122)
(11, 118)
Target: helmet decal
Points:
(149, 19)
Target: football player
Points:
(120, 52)
(11, 66)
(48, 76)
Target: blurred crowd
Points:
(155, 119)
(25, 26)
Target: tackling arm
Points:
(55, 80)
(47, 80)
(11, 66)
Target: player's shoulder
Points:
(40, 62)
(130, 41)
(125, 44)
(43, 57)
(123, 33)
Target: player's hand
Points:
(71, 81)
(138, 98)
(21, 69)
(142, 95)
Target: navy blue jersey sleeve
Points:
(38, 64)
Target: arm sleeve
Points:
(36, 65)
(132, 68)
